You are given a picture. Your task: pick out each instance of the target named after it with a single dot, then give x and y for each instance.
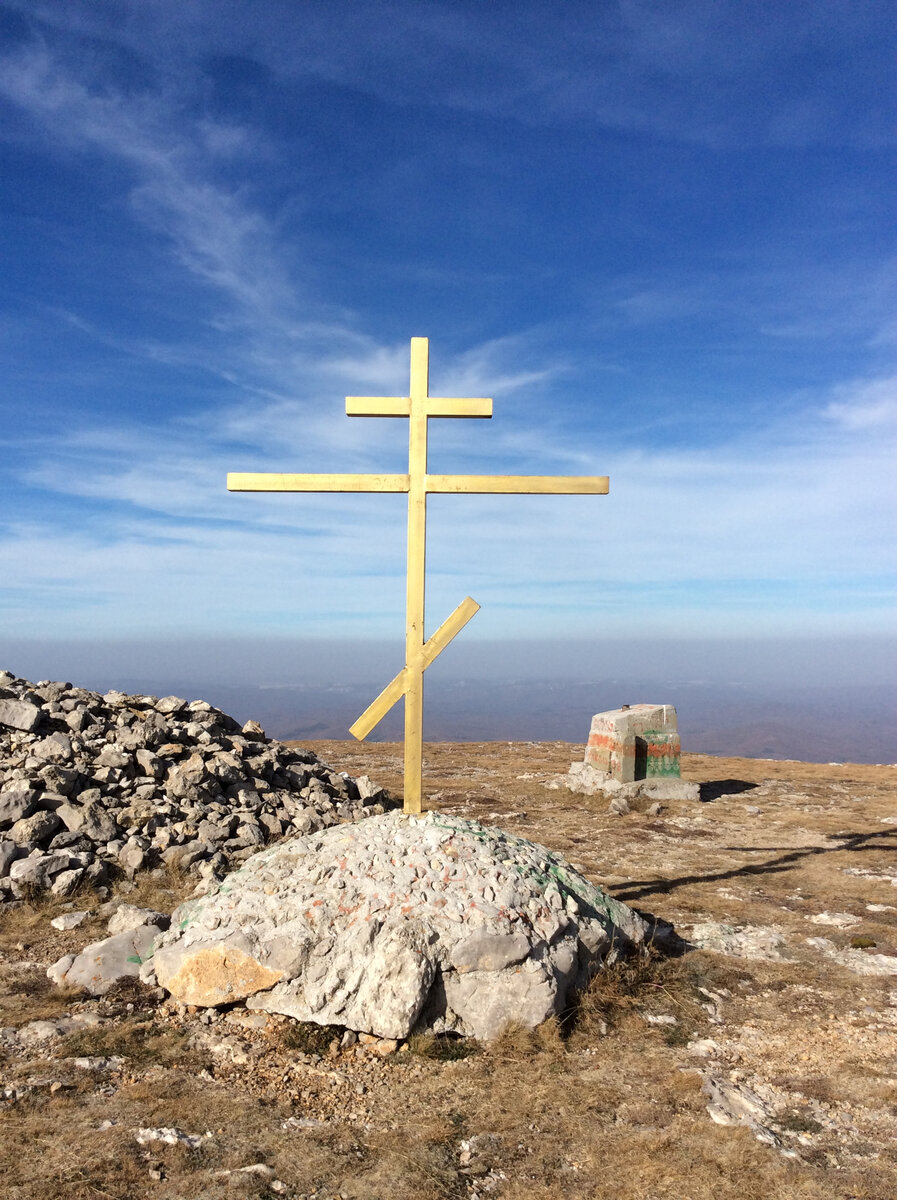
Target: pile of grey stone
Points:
(97, 787)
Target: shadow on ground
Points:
(852, 842)
(724, 787)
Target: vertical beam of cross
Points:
(418, 407)
(416, 572)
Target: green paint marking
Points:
(556, 871)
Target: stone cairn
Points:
(97, 787)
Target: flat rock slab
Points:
(760, 942)
(395, 925)
(101, 964)
(20, 714)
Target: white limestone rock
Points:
(760, 942)
(102, 963)
(69, 920)
(397, 924)
(128, 916)
(856, 960)
(20, 714)
(17, 800)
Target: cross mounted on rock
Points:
(420, 652)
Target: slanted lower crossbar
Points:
(394, 691)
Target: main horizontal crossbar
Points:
(556, 485)
(568, 485)
(238, 481)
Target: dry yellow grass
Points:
(602, 1104)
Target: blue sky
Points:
(660, 236)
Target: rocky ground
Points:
(760, 1063)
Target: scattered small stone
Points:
(39, 1031)
(254, 1170)
(839, 919)
(734, 1104)
(247, 1020)
(128, 917)
(703, 1047)
(97, 1063)
(70, 920)
(381, 1046)
(171, 1137)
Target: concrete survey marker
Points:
(418, 407)
(637, 741)
(633, 750)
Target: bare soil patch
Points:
(785, 872)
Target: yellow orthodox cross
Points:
(418, 407)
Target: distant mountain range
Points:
(844, 724)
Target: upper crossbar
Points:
(433, 406)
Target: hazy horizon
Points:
(659, 237)
(814, 699)
(273, 662)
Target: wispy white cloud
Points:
(739, 73)
(219, 238)
(795, 513)
(869, 404)
(777, 292)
